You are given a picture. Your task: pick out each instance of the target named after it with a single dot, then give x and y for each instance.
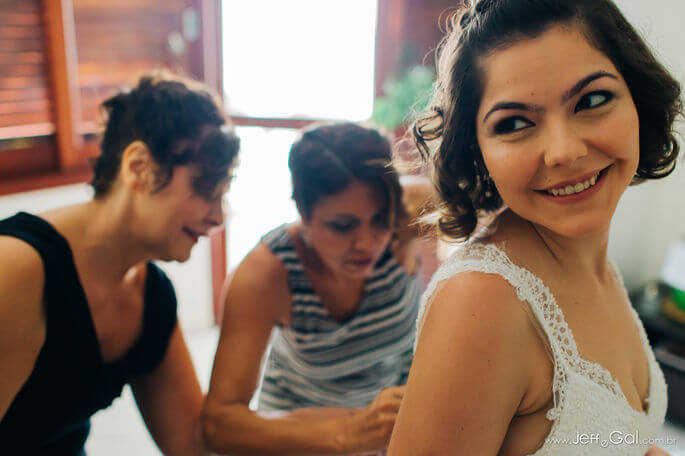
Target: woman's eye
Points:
(512, 125)
(594, 100)
(342, 227)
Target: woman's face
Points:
(175, 216)
(558, 131)
(348, 230)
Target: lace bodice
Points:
(588, 401)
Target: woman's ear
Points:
(137, 167)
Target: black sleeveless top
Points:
(70, 381)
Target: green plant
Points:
(403, 96)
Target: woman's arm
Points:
(258, 297)
(255, 300)
(22, 319)
(170, 400)
(417, 197)
(469, 375)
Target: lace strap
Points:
(651, 358)
(488, 258)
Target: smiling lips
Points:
(361, 263)
(192, 234)
(578, 191)
(574, 186)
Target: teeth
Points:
(571, 189)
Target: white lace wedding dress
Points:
(587, 400)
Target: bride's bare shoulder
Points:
(481, 293)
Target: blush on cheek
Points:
(514, 163)
(619, 134)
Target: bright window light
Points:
(299, 58)
(260, 194)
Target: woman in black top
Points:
(82, 310)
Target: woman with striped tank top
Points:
(341, 289)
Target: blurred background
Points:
(279, 65)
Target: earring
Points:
(488, 186)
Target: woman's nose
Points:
(366, 239)
(217, 212)
(564, 145)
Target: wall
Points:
(193, 279)
(652, 215)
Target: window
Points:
(308, 59)
(287, 64)
(259, 199)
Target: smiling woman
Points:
(544, 113)
(564, 132)
(83, 310)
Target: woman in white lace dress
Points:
(544, 113)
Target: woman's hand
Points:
(322, 412)
(371, 428)
(656, 451)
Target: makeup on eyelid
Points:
(498, 129)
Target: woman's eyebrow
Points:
(345, 217)
(580, 85)
(572, 92)
(512, 105)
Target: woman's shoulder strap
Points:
(52, 248)
(278, 240)
(491, 259)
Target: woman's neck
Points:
(576, 257)
(102, 235)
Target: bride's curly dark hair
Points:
(445, 133)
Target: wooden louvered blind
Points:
(59, 59)
(25, 102)
(117, 41)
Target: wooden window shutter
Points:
(117, 41)
(27, 118)
(25, 103)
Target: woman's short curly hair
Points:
(445, 133)
(327, 158)
(181, 122)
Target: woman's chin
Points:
(586, 227)
(184, 256)
(353, 272)
(180, 255)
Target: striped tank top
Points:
(320, 362)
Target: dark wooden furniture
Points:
(668, 341)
